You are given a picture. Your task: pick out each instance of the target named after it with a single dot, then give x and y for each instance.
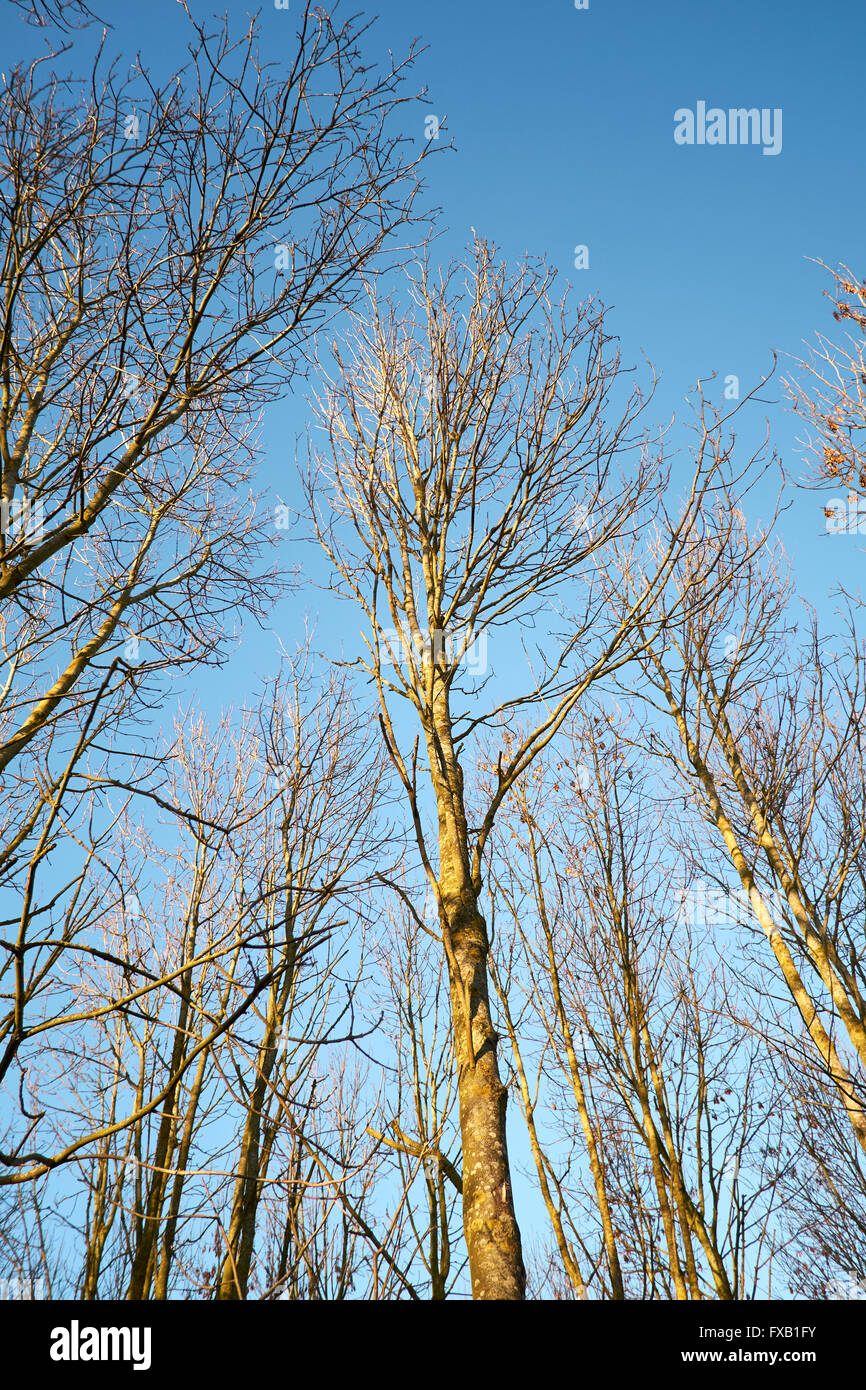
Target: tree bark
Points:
(489, 1223)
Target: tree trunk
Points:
(489, 1224)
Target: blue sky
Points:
(563, 124)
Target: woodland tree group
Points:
(316, 1000)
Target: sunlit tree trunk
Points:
(489, 1223)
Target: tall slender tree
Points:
(479, 462)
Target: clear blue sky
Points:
(563, 123)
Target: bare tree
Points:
(825, 1189)
(168, 255)
(66, 14)
(617, 1013)
(768, 738)
(418, 1121)
(330, 790)
(831, 394)
(207, 1012)
(477, 463)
